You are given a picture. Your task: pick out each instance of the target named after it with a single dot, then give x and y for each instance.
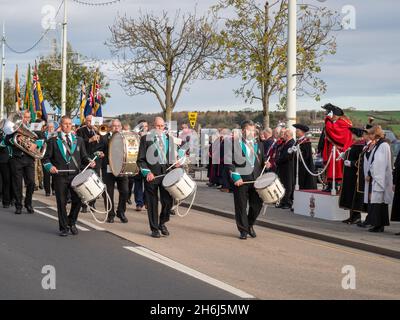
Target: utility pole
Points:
(64, 64)
(291, 66)
(3, 67)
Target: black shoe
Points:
(243, 235)
(252, 233)
(63, 233)
(164, 230)
(347, 221)
(122, 218)
(286, 207)
(363, 225)
(18, 211)
(155, 234)
(74, 230)
(110, 220)
(355, 221)
(30, 209)
(129, 201)
(377, 229)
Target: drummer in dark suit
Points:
(306, 180)
(156, 153)
(247, 164)
(66, 151)
(109, 178)
(92, 144)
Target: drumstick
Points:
(95, 157)
(62, 171)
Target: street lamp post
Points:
(3, 67)
(291, 65)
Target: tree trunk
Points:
(265, 103)
(168, 113)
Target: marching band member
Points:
(48, 181)
(5, 173)
(138, 189)
(66, 151)
(92, 144)
(336, 134)
(247, 165)
(351, 196)
(110, 179)
(131, 181)
(22, 167)
(306, 180)
(155, 152)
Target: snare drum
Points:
(269, 188)
(123, 153)
(179, 184)
(88, 186)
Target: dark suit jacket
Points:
(155, 166)
(91, 148)
(285, 164)
(241, 165)
(55, 155)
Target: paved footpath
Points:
(213, 201)
(275, 265)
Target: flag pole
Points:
(3, 67)
(64, 64)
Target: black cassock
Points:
(285, 171)
(306, 180)
(396, 182)
(352, 192)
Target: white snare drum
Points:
(269, 188)
(179, 184)
(88, 186)
(123, 153)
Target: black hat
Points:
(358, 131)
(337, 111)
(328, 107)
(301, 127)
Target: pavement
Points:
(201, 259)
(213, 201)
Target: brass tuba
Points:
(24, 138)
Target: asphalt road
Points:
(92, 265)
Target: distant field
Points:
(387, 119)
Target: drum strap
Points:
(70, 154)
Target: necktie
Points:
(68, 141)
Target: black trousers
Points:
(151, 194)
(242, 195)
(6, 182)
(122, 185)
(62, 185)
(131, 182)
(23, 168)
(48, 182)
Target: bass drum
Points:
(123, 152)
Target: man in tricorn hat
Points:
(306, 180)
(337, 134)
(352, 192)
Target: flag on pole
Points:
(38, 96)
(17, 92)
(97, 99)
(83, 101)
(29, 101)
(93, 105)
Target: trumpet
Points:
(102, 129)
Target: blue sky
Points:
(365, 72)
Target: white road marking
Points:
(189, 271)
(87, 223)
(55, 218)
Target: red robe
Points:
(336, 133)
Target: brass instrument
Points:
(23, 139)
(102, 130)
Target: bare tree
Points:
(161, 56)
